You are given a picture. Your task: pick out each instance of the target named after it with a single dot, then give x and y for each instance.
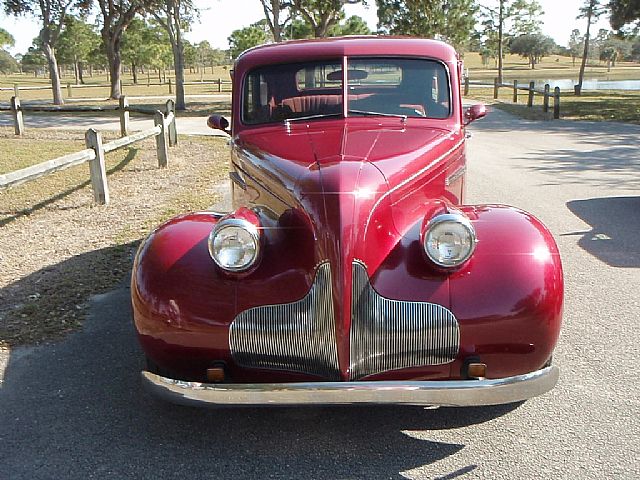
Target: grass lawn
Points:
(129, 89)
(58, 248)
(606, 105)
(552, 67)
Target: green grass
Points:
(607, 105)
(552, 67)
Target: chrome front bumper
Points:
(455, 393)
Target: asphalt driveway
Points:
(75, 409)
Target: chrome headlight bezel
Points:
(248, 227)
(461, 221)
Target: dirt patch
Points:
(57, 248)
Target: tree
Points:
(523, 16)
(591, 10)
(533, 46)
(354, 25)
(614, 49)
(451, 20)
(273, 9)
(575, 44)
(116, 17)
(33, 61)
(321, 14)
(6, 39)
(8, 64)
(52, 14)
(175, 16)
(77, 41)
(245, 38)
(624, 12)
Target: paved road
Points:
(76, 410)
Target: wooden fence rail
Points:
(530, 89)
(170, 83)
(17, 110)
(95, 155)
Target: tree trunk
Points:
(54, 73)
(81, 72)
(585, 54)
(115, 61)
(500, 28)
(76, 70)
(135, 73)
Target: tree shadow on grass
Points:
(76, 409)
(615, 223)
(131, 154)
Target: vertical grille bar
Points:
(298, 336)
(392, 334)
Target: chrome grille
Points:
(391, 334)
(298, 336)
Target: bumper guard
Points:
(453, 393)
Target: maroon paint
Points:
(343, 189)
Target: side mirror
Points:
(474, 112)
(218, 122)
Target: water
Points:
(590, 84)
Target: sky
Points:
(220, 17)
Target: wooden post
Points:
(173, 132)
(69, 91)
(16, 89)
(556, 103)
(515, 91)
(496, 85)
(162, 140)
(545, 102)
(18, 121)
(466, 85)
(532, 87)
(97, 168)
(124, 116)
(121, 89)
(170, 88)
(148, 77)
(219, 85)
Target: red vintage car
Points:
(350, 269)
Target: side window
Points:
(256, 98)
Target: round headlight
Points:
(234, 244)
(449, 240)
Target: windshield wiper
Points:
(378, 114)
(287, 121)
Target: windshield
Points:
(405, 87)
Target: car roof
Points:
(336, 47)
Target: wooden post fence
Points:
(515, 91)
(466, 85)
(170, 87)
(18, 120)
(97, 167)
(219, 85)
(170, 112)
(162, 139)
(545, 102)
(16, 89)
(496, 85)
(69, 91)
(556, 103)
(124, 116)
(532, 86)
